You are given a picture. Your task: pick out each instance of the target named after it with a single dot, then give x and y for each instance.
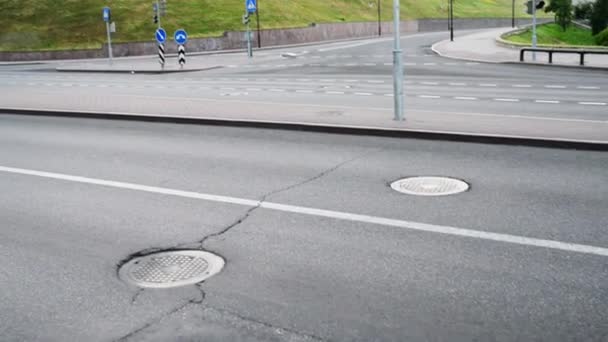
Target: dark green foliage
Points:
(602, 38)
(583, 11)
(599, 17)
(563, 12)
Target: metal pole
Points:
(157, 12)
(249, 51)
(109, 41)
(534, 30)
(513, 14)
(397, 65)
(257, 18)
(379, 20)
(451, 20)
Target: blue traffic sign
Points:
(161, 35)
(181, 37)
(251, 6)
(106, 14)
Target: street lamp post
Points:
(513, 14)
(451, 20)
(397, 66)
(379, 19)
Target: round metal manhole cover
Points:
(430, 186)
(171, 269)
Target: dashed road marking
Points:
(547, 101)
(552, 86)
(470, 98)
(429, 96)
(507, 100)
(593, 103)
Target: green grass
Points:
(62, 24)
(553, 34)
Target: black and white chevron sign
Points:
(161, 54)
(181, 55)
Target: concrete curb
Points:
(495, 139)
(145, 72)
(554, 65)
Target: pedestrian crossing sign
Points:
(251, 6)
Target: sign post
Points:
(107, 17)
(251, 7)
(181, 37)
(161, 37)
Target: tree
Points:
(599, 16)
(563, 12)
(583, 11)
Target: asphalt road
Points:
(521, 256)
(348, 80)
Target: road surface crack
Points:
(322, 174)
(197, 301)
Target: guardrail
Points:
(582, 53)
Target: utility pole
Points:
(534, 30)
(379, 19)
(397, 65)
(257, 18)
(158, 13)
(451, 20)
(513, 14)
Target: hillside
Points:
(58, 24)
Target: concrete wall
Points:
(274, 37)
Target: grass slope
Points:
(60, 24)
(553, 34)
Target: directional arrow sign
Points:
(181, 37)
(106, 14)
(251, 5)
(161, 35)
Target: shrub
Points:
(602, 38)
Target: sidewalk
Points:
(482, 47)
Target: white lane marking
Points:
(343, 47)
(465, 98)
(429, 96)
(369, 64)
(430, 83)
(253, 89)
(364, 94)
(552, 86)
(587, 87)
(389, 95)
(375, 81)
(593, 103)
(303, 80)
(304, 91)
(327, 80)
(472, 63)
(546, 101)
(430, 63)
(227, 88)
(507, 100)
(388, 64)
(334, 92)
(338, 215)
(521, 86)
(277, 90)
(487, 85)
(457, 84)
(450, 63)
(352, 64)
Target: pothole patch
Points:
(430, 186)
(171, 268)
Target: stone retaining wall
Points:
(273, 37)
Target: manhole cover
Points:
(430, 186)
(171, 269)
